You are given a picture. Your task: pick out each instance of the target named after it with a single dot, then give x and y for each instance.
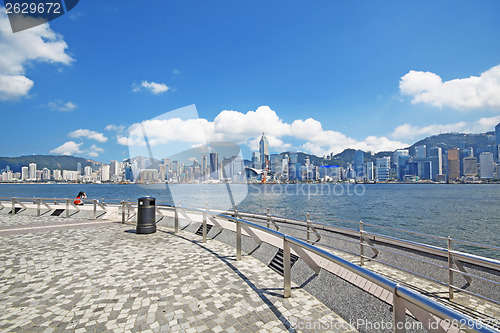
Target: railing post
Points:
(361, 244)
(204, 227)
(13, 212)
(450, 267)
(38, 207)
(287, 274)
(308, 228)
(238, 240)
(123, 211)
(268, 219)
(235, 209)
(398, 312)
(95, 209)
(176, 220)
(67, 208)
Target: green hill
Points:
(45, 161)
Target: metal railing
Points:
(421, 307)
(424, 309)
(47, 202)
(366, 240)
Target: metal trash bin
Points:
(146, 215)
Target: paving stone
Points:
(103, 278)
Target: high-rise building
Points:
(45, 174)
(264, 151)
(285, 167)
(56, 174)
(497, 134)
(79, 168)
(453, 164)
(105, 173)
(256, 164)
(214, 165)
(32, 171)
(114, 170)
(24, 173)
(436, 157)
(369, 171)
(294, 167)
(470, 166)
(403, 161)
(396, 154)
(383, 168)
(486, 165)
(421, 151)
(88, 171)
(358, 163)
(204, 166)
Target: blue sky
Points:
(316, 76)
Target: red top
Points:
(77, 201)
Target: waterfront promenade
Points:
(82, 275)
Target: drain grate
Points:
(277, 263)
(57, 212)
(199, 232)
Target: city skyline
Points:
(425, 163)
(315, 77)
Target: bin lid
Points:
(150, 199)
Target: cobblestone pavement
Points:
(107, 278)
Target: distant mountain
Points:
(45, 161)
(478, 142)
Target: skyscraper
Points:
(420, 151)
(470, 166)
(436, 157)
(204, 166)
(105, 173)
(358, 162)
(264, 151)
(497, 134)
(369, 171)
(486, 165)
(24, 173)
(214, 165)
(256, 164)
(383, 168)
(453, 164)
(32, 171)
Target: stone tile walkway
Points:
(107, 278)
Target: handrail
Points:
(399, 292)
(454, 257)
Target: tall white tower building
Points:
(264, 150)
(32, 171)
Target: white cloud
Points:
(408, 131)
(88, 134)
(116, 128)
(72, 148)
(153, 87)
(14, 86)
(17, 50)
(475, 92)
(59, 105)
(68, 148)
(94, 151)
(247, 128)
